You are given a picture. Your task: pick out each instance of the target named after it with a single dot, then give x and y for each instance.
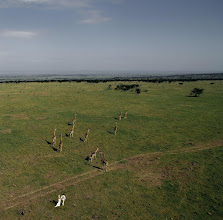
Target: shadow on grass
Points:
(81, 139)
(99, 168)
(192, 96)
(50, 143)
(87, 158)
(110, 132)
(55, 149)
(54, 202)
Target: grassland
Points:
(179, 139)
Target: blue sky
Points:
(111, 35)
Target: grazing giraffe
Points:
(61, 144)
(104, 162)
(125, 116)
(93, 155)
(120, 116)
(86, 135)
(72, 131)
(54, 137)
(116, 127)
(74, 119)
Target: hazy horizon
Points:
(101, 73)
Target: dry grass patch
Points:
(7, 131)
(146, 170)
(41, 118)
(18, 116)
(41, 93)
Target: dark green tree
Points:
(196, 92)
(138, 91)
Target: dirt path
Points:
(88, 175)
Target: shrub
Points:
(138, 91)
(196, 92)
(126, 87)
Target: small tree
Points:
(196, 92)
(138, 91)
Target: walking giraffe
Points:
(72, 131)
(61, 144)
(125, 116)
(120, 116)
(104, 162)
(93, 155)
(86, 135)
(74, 119)
(54, 137)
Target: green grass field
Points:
(178, 139)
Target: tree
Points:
(138, 91)
(196, 92)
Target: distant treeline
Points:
(152, 79)
(126, 87)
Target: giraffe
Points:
(86, 135)
(61, 144)
(104, 162)
(54, 137)
(72, 131)
(116, 127)
(93, 155)
(74, 119)
(120, 116)
(125, 116)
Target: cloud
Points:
(45, 3)
(18, 34)
(86, 8)
(93, 17)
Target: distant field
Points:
(179, 139)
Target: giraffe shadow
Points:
(110, 132)
(48, 142)
(116, 118)
(54, 202)
(99, 168)
(54, 149)
(81, 139)
(87, 158)
(67, 135)
(69, 123)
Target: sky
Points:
(111, 35)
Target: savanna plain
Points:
(164, 163)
